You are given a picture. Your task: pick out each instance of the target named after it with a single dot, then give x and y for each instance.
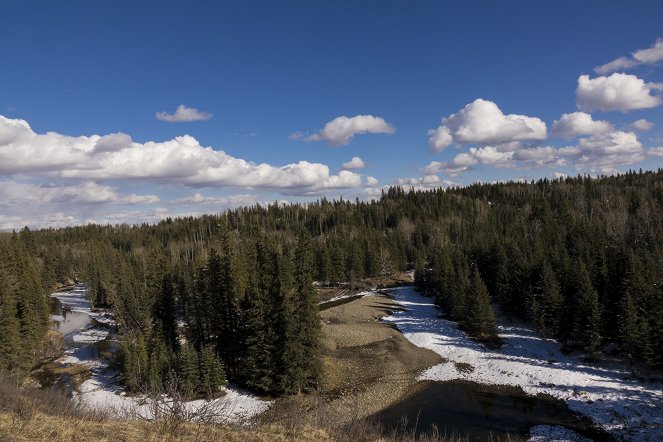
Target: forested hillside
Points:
(580, 258)
(24, 306)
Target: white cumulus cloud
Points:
(354, 163)
(183, 114)
(579, 123)
(611, 149)
(642, 125)
(340, 130)
(620, 92)
(650, 55)
(482, 122)
(181, 160)
(371, 181)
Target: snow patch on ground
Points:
(548, 433)
(603, 392)
(358, 295)
(91, 335)
(101, 393)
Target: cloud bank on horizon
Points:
(181, 160)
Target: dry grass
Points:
(44, 427)
(28, 414)
(367, 365)
(72, 369)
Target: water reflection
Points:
(72, 321)
(480, 412)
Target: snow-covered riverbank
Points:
(101, 391)
(605, 393)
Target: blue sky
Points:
(259, 73)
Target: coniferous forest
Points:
(230, 298)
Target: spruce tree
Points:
(458, 296)
(259, 360)
(226, 305)
(587, 321)
(187, 370)
(9, 331)
(165, 315)
(211, 376)
(550, 301)
(134, 362)
(480, 319)
(307, 317)
(628, 327)
(420, 275)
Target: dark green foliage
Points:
(24, 307)
(134, 360)
(479, 319)
(587, 326)
(420, 275)
(305, 332)
(211, 375)
(548, 302)
(234, 279)
(188, 371)
(628, 327)
(10, 350)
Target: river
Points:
(84, 369)
(605, 393)
(482, 412)
(88, 340)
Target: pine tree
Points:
(307, 318)
(259, 361)
(588, 318)
(165, 315)
(188, 371)
(211, 374)
(480, 319)
(458, 296)
(628, 327)
(283, 325)
(9, 330)
(157, 365)
(550, 301)
(134, 362)
(420, 275)
(227, 311)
